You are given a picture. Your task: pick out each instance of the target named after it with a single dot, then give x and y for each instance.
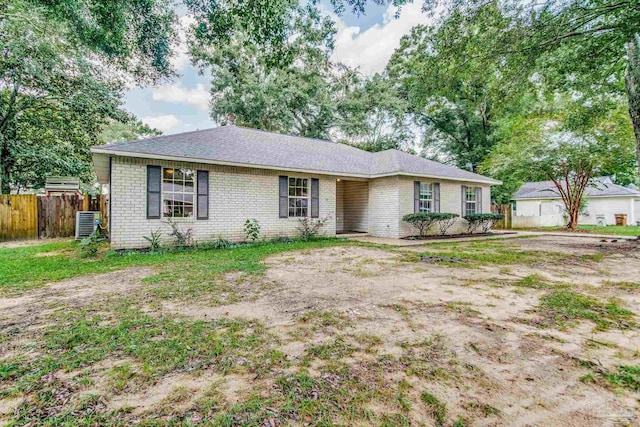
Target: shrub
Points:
(282, 239)
(89, 245)
(183, 239)
(445, 221)
(251, 229)
(309, 227)
(221, 243)
(424, 221)
(483, 221)
(154, 240)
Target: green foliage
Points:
(90, 245)
(154, 238)
(437, 408)
(251, 229)
(482, 221)
(63, 70)
(455, 92)
(562, 306)
(183, 238)
(424, 221)
(129, 129)
(627, 376)
(221, 243)
(309, 228)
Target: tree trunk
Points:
(632, 81)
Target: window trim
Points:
(307, 198)
(468, 191)
(430, 200)
(194, 193)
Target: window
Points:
(470, 201)
(298, 197)
(426, 197)
(178, 192)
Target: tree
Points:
(591, 46)
(289, 86)
(454, 93)
(63, 66)
(128, 129)
(374, 117)
(566, 142)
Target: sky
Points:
(366, 41)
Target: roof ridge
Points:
(151, 138)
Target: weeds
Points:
(561, 307)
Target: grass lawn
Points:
(321, 333)
(615, 230)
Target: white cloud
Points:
(164, 123)
(180, 59)
(371, 49)
(181, 95)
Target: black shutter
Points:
(284, 197)
(203, 195)
(315, 197)
(416, 196)
(478, 199)
(436, 197)
(154, 181)
(464, 195)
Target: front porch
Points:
(352, 208)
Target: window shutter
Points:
(203, 195)
(464, 192)
(315, 197)
(478, 199)
(284, 197)
(436, 197)
(416, 196)
(154, 181)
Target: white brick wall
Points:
(450, 201)
(384, 196)
(235, 194)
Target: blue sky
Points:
(365, 41)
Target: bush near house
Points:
(482, 221)
(424, 221)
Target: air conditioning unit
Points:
(87, 222)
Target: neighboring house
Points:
(213, 180)
(539, 204)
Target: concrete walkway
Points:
(499, 234)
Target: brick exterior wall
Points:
(450, 201)
(235, 194)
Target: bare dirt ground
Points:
(489, 362)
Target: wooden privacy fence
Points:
(18, 216)
(505, 210)
(28, 216)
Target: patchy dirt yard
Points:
(521, 332)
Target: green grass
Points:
(80, 338)
(436, 408)
(28, 267)
(500, 252)
(562, 307)
(614, 230)
(627, 376)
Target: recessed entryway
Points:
(352, 206)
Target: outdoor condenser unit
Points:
(87, 222)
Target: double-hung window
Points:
(178, 193)
(470, 201)
(298, 197)
(426, 197)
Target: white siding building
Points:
(538, 204)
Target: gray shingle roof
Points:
(601, 187)
(251, 147)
